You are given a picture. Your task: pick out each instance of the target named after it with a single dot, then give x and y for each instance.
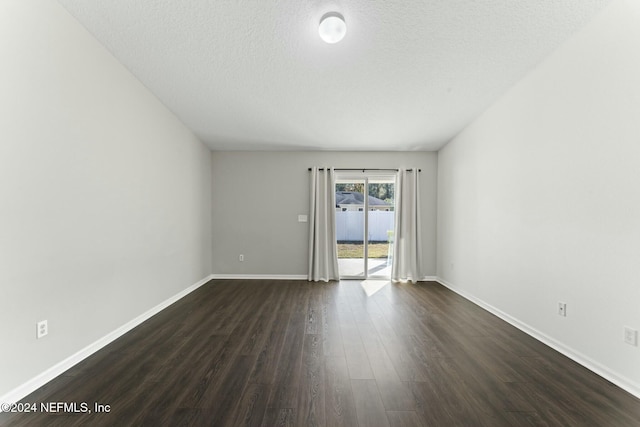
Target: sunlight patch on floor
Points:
(372, 286)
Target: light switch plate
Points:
(630, 336)
(562, 309)
(302, 218)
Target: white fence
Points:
(350, 225)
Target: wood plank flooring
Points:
(294, 353)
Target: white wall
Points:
(539, 199)
(257, 197)
(104, 194)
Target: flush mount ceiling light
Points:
(332, 27)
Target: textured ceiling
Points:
(254, 75)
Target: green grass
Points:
(355, 250)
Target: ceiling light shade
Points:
(332, 27)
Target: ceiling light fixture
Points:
(332, 27)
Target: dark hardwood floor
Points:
(292, 353)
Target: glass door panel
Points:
(380, 226)
(350, 228)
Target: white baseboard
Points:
(571, 353)
(35, 383)
(287, 277)
(260, 276)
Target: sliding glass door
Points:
(365, 218)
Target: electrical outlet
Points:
(42, 329)
(562, 309)
(630, 336)
(241, 258)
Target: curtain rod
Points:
(366, 169)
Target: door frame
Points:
(364, 177)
